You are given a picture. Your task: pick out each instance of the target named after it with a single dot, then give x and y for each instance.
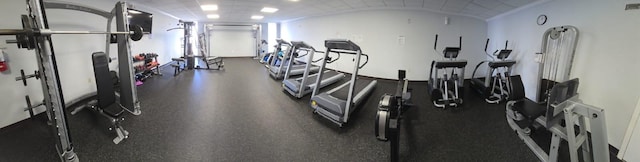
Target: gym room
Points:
(319, 80)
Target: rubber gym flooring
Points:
(241, 114)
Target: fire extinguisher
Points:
(3, 62)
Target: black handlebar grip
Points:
(460, 42)
(23, 77)
(436, 42)
(486, 44)
(506, 44)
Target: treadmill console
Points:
(341, 44)
(301, 44)
(281, 41)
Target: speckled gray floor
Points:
(241, 114)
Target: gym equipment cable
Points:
(559, 109)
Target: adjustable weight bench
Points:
(212, 62)
(106, 103)
(177, 65)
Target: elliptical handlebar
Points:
(486, 45)
(506, 44)
(436, 43)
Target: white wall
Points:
(236, 41)
(73, 53)
(378, 33)
(633, 135)
(606, 54)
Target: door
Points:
(232, 41)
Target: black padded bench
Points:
(177, 65)
(106, 97)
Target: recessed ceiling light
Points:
(209, 7)
(269, 10)
(213, 16)
(257, 17)
(294, 0)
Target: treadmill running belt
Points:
(293, 84)
(343, 93)
(312, 80)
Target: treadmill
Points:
(338, 103)
(278, 71)
(299, 87)
(274, 58)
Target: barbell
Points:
(135, 33)
(25, 36)
(51, 32)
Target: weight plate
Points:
(137, 32)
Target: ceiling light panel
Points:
(257, 17)
(209, 7)
(269, 9)
(213, 16)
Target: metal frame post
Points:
(52, 90)
(352, 86)
(128, 93)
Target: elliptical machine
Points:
(447, 89)
(495, 86)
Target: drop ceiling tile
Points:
(413, 3)
(487, 3)
(240, 10)
(394, 3)
(472, 7)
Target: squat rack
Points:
(37, 35)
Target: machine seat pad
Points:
(530, 109)
(177, 59)
(113, 110)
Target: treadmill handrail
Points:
(331, 60)
(365, 62)
(301, 49)
(476, 69)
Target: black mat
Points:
(240, 114)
